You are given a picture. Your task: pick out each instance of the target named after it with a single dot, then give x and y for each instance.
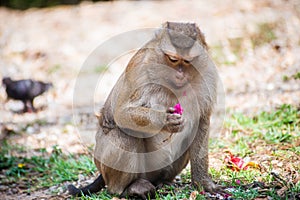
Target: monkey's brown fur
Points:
(172, 67)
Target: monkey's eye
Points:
(186, 62)
(172, 59)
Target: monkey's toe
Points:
(215, 189)
(141, 188)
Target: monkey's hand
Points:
(174, 122)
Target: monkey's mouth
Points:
(180, 82)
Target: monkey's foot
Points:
(161, 185)
(141, 188)
(211, 187)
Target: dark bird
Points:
(25, 90)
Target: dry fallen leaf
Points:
(282, 191)
(194, 195)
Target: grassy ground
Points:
(270, 139)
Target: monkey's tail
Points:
(94, 187)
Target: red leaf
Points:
(237, 164)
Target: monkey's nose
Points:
(179, 75)
(180, 68)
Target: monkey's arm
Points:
(132, 107)
(148, 120)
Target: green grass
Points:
(219, 57)
(265, 34)
(295, 76)
(236, 47)
(103, 195)
(273, 134)
(281, 125)
(43, 170)
(54, 69)
(244, 188)
(217, 53)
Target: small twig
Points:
(280, 180)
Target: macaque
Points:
(142, 142)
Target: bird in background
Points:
(25, 90)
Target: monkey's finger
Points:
(177, 116)
(182, 122)
(173, 116)
(170, 110)
(175, 128)
(179, 128)
(178, 121)
(174, 121)
(220, 190)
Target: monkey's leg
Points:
(96, 186)
(141, 188)
(199, 159)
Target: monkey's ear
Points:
(158, 33)
(165, 25)
(201, 37)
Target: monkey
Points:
(141, 142)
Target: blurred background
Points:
(255, 45)
(23, 5)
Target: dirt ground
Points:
(53, 44)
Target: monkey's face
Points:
(183, 70)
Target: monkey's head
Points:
(181, 44)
